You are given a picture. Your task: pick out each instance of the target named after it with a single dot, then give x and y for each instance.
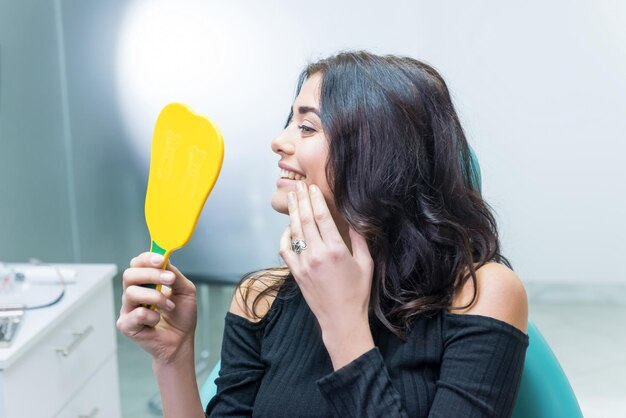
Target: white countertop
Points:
(90, 278)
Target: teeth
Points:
(286, 174)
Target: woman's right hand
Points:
(168, 331)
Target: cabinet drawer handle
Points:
(92, 414)
(78, 338)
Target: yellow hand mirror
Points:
(186, 159)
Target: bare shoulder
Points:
(246, 294)
(500, 295)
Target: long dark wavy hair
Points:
(400, 169)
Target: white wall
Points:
(542, 90)
(34, 187)
(69, 191)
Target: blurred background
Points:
(540, 88)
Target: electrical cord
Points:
(56, 300)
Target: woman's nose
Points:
(283, 144)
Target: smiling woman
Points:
(302, 146)
(388, 237)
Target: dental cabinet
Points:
(63, 359)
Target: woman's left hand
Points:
(335, 283)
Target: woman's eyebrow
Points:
(306, 109)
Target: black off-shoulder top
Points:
(452, 365)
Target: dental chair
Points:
(544, 391)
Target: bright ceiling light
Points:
(166, 52)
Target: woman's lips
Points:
(287, 167)
(281, 182)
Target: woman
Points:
(395, 299)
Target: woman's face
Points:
(303, 147)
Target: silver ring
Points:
(298, 245)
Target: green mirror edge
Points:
(156, 248)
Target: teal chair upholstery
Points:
(208, 389)
(544, 391)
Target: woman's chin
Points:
(279, 203)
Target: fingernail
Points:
(167, 277)
(170, 305)
(156, 259)
(313, 188)
(300, 186)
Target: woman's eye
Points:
(306, 129)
